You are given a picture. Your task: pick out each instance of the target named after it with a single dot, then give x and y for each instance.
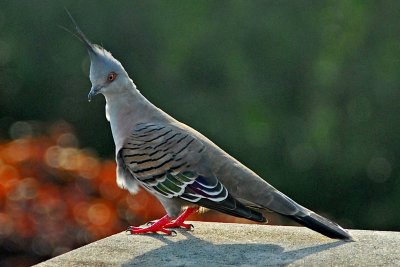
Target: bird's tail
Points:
(276, 201)
(322, 225)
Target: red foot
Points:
(180, 221)
(165, 222)
(157, 226)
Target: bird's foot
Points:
(175, 224)
(180, 221)
(156, 226)
(164, 223)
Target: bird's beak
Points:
(93, 91)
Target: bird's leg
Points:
(180, 221)
(157, 226)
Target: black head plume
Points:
(79, 34)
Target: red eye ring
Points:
(111, 76)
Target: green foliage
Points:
(306, 93)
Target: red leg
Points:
(157, 226)
(180, 221)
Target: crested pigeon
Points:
(179, 165)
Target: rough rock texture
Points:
(219, 244)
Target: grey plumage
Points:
(177, 164)
(171, 162)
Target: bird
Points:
(181, 167)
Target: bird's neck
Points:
(125, 110)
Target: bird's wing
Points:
(170, 162)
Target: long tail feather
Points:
(322, 225)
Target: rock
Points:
(225, 244)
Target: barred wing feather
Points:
(164, 160)
(168, 161)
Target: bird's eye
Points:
(111, 76)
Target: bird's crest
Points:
(79, 34)
(96, 52)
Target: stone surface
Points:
(219, 244)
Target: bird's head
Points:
(107, 75)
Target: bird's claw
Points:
(173, 233)
(180, 225)
(187, 226)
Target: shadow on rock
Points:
(197, 252)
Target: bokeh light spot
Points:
(51, 156)
(99, 214)
(67, 140)
(20, 129)
(19, 150)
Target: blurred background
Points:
(305, 93)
